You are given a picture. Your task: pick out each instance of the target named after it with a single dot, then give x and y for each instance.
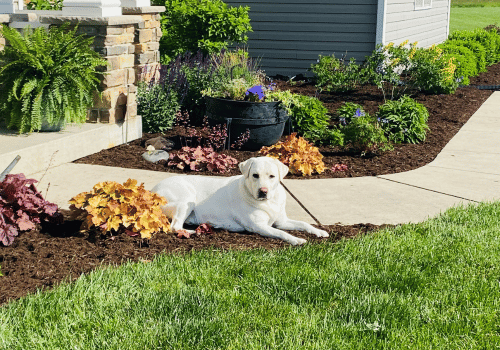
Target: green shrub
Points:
(308, 115)
(477, 49)
(404, 121)
(434, 72)
(364, 134)
(158, 107)
(463, 69)
(335, 75)
(55, 5)
(326, 137)
(388, 67)
(361, 131)
(466, 61)
(490, 40)
(349, 110)
(46, 75)
(206, 25)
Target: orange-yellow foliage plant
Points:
(111, 206)
(300, 156)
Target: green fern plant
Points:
(46, 76)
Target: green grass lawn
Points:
(433, 285)
(474, 3)
(473, 17)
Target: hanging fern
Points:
(46, 75)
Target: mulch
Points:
(42, 258)
(448, 113)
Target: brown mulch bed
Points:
(42, 258)
(448, 113)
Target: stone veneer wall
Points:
(3, 19)
(130, 44)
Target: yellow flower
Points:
(403, 43)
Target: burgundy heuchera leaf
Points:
(204, 229)
(22, 206)
(183, 234)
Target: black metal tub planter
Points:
(265, 120)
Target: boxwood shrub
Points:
(477, 49)
(489, 39)
(466, 61)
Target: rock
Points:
(155, 156)
(160, 143)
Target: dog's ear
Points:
(245, 166)
(282, 168)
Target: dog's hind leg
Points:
(178, 212)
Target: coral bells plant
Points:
(198, 159)
(215, 137)
(22, 207)
(300, 156)
(111, 206)
(338, 167)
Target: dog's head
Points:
(262, 176)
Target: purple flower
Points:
(256, 90)
(359, 113)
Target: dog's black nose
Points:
(262, 193)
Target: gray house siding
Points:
(427, 26)
(289, 35)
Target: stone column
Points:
(4, 19)
(92, 8)
(136, 3)
(114, 39)
(8, 6)
(129, 43)
(147, 40)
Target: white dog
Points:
(254, 201)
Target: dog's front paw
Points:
(297, 241)
(320, 233)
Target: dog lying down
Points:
(253, 202)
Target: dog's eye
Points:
(272, 176)
(256, 176)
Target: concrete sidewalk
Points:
(466, 171)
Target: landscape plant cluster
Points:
(405, 68)
(22, 206)
(399, 71)
(182, 84)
